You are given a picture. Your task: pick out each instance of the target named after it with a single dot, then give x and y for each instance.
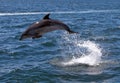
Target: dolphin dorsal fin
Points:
(46, 16)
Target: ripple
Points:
(48, 44)
(113, 29)
(112, 38)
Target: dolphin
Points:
(37, 29)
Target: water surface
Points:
(93, 55)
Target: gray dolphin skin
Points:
(47, 24)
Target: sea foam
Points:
(92, 58)
(83, 51)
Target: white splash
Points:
(93, 58)
(58, 12)
(82, 52)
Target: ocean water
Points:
(92, 56)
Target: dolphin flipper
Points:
(38, 36)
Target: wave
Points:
(78, 52)
(58, 12)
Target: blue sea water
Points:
(92, 56)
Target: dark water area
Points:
(92, 56)
(56, 5)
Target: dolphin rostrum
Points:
(47, 24)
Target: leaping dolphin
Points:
(47, 24)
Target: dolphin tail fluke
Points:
(71, 32)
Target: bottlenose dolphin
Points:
(47, 24)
